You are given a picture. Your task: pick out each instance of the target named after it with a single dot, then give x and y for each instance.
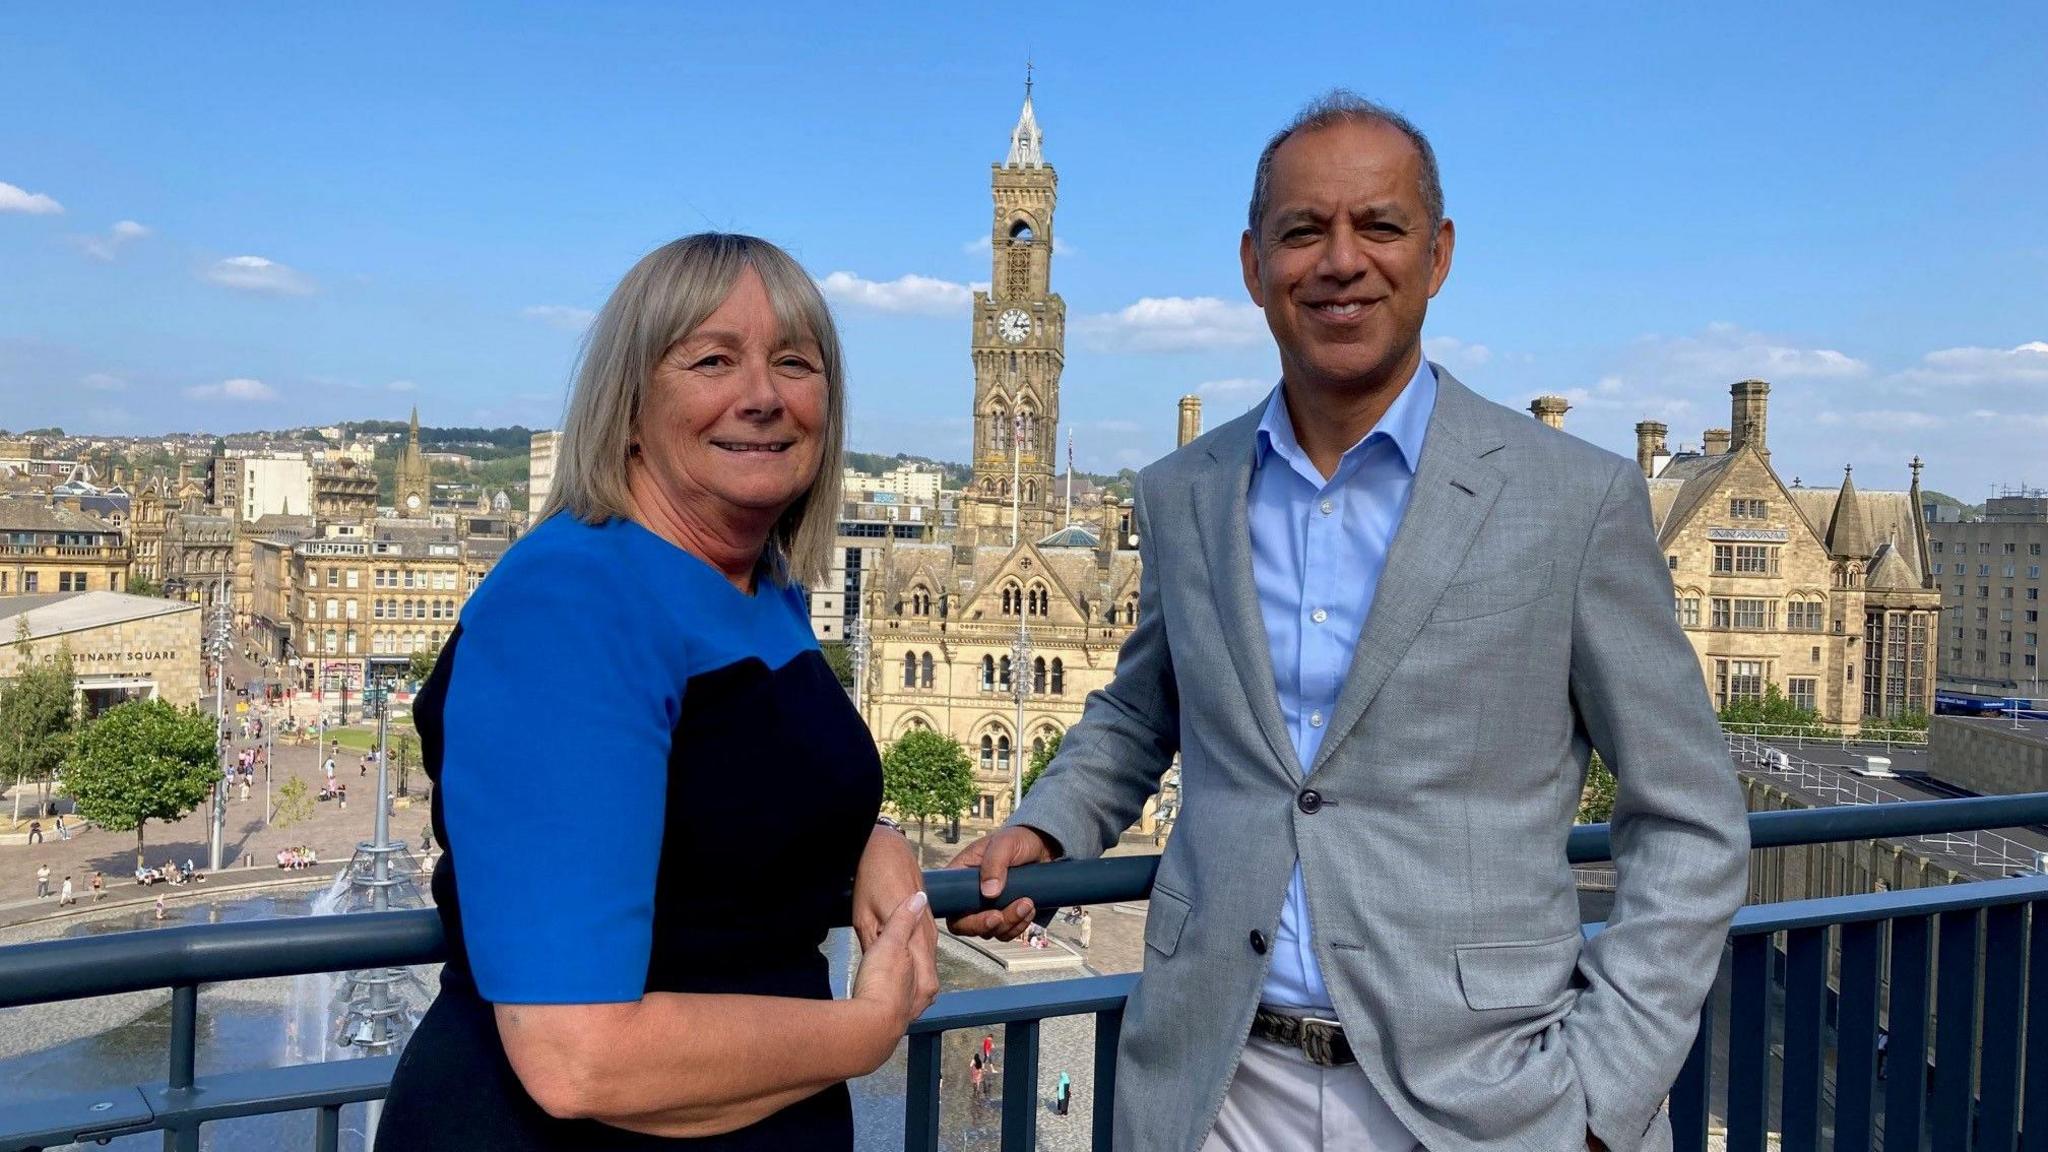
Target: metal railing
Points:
(1876, 735)
(1980, 848)
(1990, 939)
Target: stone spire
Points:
(1848, 534)
(1027, 143)
(1920, 525)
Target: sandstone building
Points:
(1824, 592)
(1989, 573)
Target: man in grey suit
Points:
(1383, 621)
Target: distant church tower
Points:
(413, 492)
(1019, 348)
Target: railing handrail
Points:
(54, 970)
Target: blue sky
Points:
(266, 215)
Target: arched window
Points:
(1059, 677)
(1003, 488)
(920, 601)
(1038, 675)
(910, 669)
(1003, 754)
(927, 669)
(1003, 674)
(1006, 602)
(1130, 610)
(1031, 491)
(1037, 748)
(988, 673)
(1021, 233)
(988, 754)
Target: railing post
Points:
(921, 1093)
(2005, 942)
(1749, 1041)
(1109, 1029)
(1906, 1050)
(1020, 1086)
(1856, 1036)
(2034, 1088)
(327, 1129)
(1955, 1026)
(184, 1060)
(1806, 990)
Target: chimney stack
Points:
(1716, 441)
(1550, 410)
(1190, 420)
(1649, 446)
(1749, 410)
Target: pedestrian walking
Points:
(330, 772)
(427, 837)
(974, 1076)
(159, 907)
(245, 788)
(99, 886)
(341, 794)
(64, 895)
(988, 1048)
(1063, 1094)
(1087, 927)
(42, 882)
(63, 833)
(35, 831)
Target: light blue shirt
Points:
(1318, 548)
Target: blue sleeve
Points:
(554, 776)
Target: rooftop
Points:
(64, 612)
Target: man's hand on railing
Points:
(994, 856)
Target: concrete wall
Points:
(1987, 759)
(1810, 871)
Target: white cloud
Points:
(2025, 364)
(564, 316)
(102, 382)
(977, 245)
(240, 388)
(1725, 353)
(401, 386)
(1236, 394)
(1880, 420)
(1175, 324)
(1455, 353)
(909, 294)
(256, 274)
(108, 246)
(13, 199)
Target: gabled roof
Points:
(1890, 571)
(1699, 477)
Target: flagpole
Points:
(1070, 478)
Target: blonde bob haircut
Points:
(671, 291)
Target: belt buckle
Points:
(1319, 1040)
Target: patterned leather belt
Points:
(1321, 1041)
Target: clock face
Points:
(1013, 326)
(412, 502)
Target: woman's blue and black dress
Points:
(645, 780)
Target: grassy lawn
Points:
(364, 739)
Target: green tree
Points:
(1776, 712)
(926, 775)
(294, 803)
(840, 660)
(140, 586)
(1596, 799)
(1040, 759)
(141, 761)
(405, 755)
(38, 719)
(421, 665)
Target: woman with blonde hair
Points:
(658, 982)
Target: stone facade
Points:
(158, 651)
(413, 489)
(47, 546)
(1825, 593)
(1988, 756)
(1989, 571)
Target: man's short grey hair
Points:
(671, 291)
(1342, 106)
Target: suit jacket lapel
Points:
(1223, 523)
(1453, 492)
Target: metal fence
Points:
(1801, 736)
(1990, 938)
(1980, 848)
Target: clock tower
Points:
(1020, 330)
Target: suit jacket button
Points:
(1310, 801)
(1258, 942)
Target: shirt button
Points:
(1319, 615)
(1258, 942)
(1315, 719)
(1328, 506)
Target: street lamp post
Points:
(217, 832)
(1020, 687)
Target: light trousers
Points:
(1279, 1102)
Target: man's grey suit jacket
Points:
(1524, 618)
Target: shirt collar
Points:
(1406, 423)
